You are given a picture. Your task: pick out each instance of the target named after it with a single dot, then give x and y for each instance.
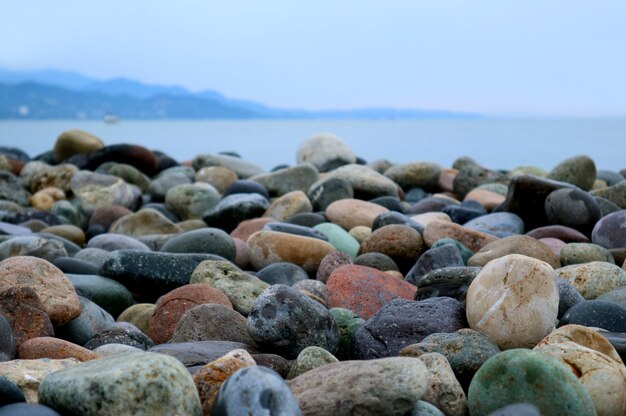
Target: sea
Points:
(498, 143)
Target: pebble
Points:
(444, 390)
(339, 238)
(303, 231)
(568, 296)
(283, 181)
(130, 384)
(354, 387)
(7, 340)
(488, 199)
(219, 177)
(393, 217)
(617, 296)
(54, 348)
(28, 374)
(9, 393)
(44, 199)
(144, 222)
(597, 314)
(500, 224)
(364, 290)
(233, 209)
(308, 359)
(95, 190)
(107, 293)
(402, 322)
(26, 316)
(112, 242)
(423, 175)
(209, 322)
(577, 253)
(399, 242)
(578, 170)
(615, 194)
(92, 320)
(573, 208)
(432, 204)
(422, 408)
(376, 261)
(474, 240)
(245, 186)
(608, 231)
(128, 173)
(190, 201)
(350, 213)
(452, 282)
(447, 255)
(561, 232)
(71, 142)
(287, 205)
(461, 214)
(323, 193)
(325, 151)
(282, 274)
(594, 278)
(330, 263)
(348, 323)
(242, 169)
(139, 315)
(107, 215)
(159, 186)
(285, 321)
(514, 300)
(471, 175)
(366, 183)
(120, 333)
(203, 240)
(466, 253)
(32, 246)
(255, 390)
(517, 244)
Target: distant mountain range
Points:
(52, 94)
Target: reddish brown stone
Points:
(173, 305)
(24, 311)
(364, 290)
(248, 227)
(400, 242)
(107, 215)
(54, 348)
(472, 239)
(563, 233)
(350, 213)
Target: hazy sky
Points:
(530, 56)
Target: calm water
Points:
(496, 143)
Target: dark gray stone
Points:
(112, 242)
(452, 282)
(446, 255)
(110, 295)
(12, 189)
(7, 341)
(460, 214)
(573, 208)
(328, 191)
(471, 175)
(295, 230)
(597, 314)
(282, 273)
(199, 353)
(617, 296)
(500, 224)
(10, 392)
(75, 266)
(244, 186)
(211, 322)
(392, 217)
(233, 209)
(390, 202)
(92, 320)
(307, 219)
(376, 261)
(121, 333)
(430, 204)
(203, 240)
(568, 296)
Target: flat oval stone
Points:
(267, 247)
(112, 242)
(211, 321)
(474, 240)
(107, 293)
(310, 358)
(220, 177)
(573, 208)
(54, 348)
(401, 243)
(447, 255)
(500, 224)
(566, 234)
(233, 209)
(255, 390)
(577, 253)
(523, 376)
(95, 190)
(517, 244)
(471, 175)
(282, 273)
(53, 288)
(514, 300)
(401, 322)
(366, 183)
(190, 201)
(33, 246)
(71, 142)
(353, 387)
(339, 238)
(577, 170)
(423, 175)
(139, 315)
(597, 314)
(364, 290)
(288, 179)
(144, 222)
(350, 213)
(21, 307)
(75, 266)
(136, 383)
(594, 278)
(608, 231)
(377, 261)
(203, 240)
(285, 321)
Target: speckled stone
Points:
(444, 390)
(144, 222)
(287, 205)
(330, 263)
(43, 248)
(160, 185)
(234, 209)
(190, 201)
(350, 213)
(283, 181)
(130, 384)
(474, 240)
(54, 348)
(594, 278)
(310, 358)
(401, 243)
(514, 300)
(517, 244)
(615, 194)
(500, 224)
(452, 282)
(573, 208)
(7, 340)
(447, 255)
(608, 232)
(422, 408)
(120, 333)
(282, 273)
(577, 170)
(24, 312)
(597, 314)
(568, 296)
(128, 173)
(353, 387)
(112, 242)
(44, 199)
(95, 190)
(28, 374)
(617, 296)
(366, 183)
(203, 240)
(577, 253)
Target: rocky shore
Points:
(135, 284)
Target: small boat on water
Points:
(111, 118)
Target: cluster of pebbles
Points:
(131, 284)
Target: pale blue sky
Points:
(494, 56)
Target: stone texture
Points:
(25, 313)
(577, 253)
(71, 142)
(474, 240)
(573, 208)
(139, 315)
(234, 209)
(287, 205)
(517, 244)
(594, 278)
(308, 359)
(242, 168)
(144, 222)
(615, 194)
(286, 180)
(54, 348)
(401, 243)
(203, 240)
(32, 246)
(366, 183)
(444, 391)
(608, 232)
(190, 201)
(95, 190)
(577, 170)
(500, 224)
(350, 213)
(217, 176)
(325, 151)
(415, 175)
(211, 322)
(112, 242)
(28, 374)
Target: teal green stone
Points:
(348, 323)
(577, 253)
(526, 376)
(339, 238)
(466, 253)
(66, 210)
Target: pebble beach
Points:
(132, 283)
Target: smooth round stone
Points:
(431, 204)
(233, 209)
(608, 231)
(7, 340)
(561, 232)
(471, 175)
(393, 217)
(354, 387)
(246, 228)
(466, 253)
(578, 170)
(325, 151)
(69, 246)
(517, 244)
(594, 278)
(282, 274)
(107, 293)
(159, 186)
(489, 195)
(136, 383)
(27, 409)
(390, 202)
(460, 214)
(288, 179)
(69, 212)
(376, 261)
(31, 225)
(288, 205)
(211, 376)
(348, 323)
(606, 207)
(402, 322)
(92, 320)
(155, 242)
(243, 186)
(330, 263)
(242, 254)
(500, 224)
(53, 288)
(74, 266)
(597, 314)
(208, 322)
(306, 219)
(112, 242)
(523, 376)
(144, 222)
(423, 175)
(514, 300)
(120, 333)
(295, 230)
(134, 155)
(610, 177)
(9, 393)
(452, 282)
(466, 350)
(568, 296)
(617, 296)
(573, 208)
(95, 190)
(422, 408)
(149, 273)
(472, 239)
(364, 290)
(139, 315)
(325, 192)
(23, 310)
(71, 142)
(108, 350)
(220, 177)
(11, 189)
(401, 243)
(42, 248)
(128, 173)
(267, 247)
(590, 338)
(12, 229)
(204, 240)
(339, 238)
(54, 348)
(349, 213)
(447, 255)
(444, 390)
(190, 201)
(285, 321)
(310, 358)
(255, 390)
(366, 183)
(240, 288)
